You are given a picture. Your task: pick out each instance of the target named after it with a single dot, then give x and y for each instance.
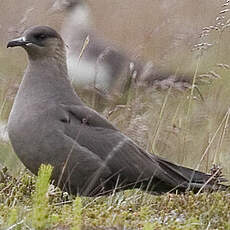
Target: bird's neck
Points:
(79, 15)
(46, 81)
(52, 57)
(76, 22)
(55, 63)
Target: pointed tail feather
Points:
(179, 178)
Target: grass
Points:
(29, 203)
(40, 198)
(189, 128)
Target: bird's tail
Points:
(151, 76)
(174, 178)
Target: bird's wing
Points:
(88, 116)
(118, 151)
(85, 170)
(124, 159)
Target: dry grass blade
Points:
(212, 139)
(158, 126)
(218, 150)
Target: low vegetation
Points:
(29, 203)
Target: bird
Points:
(95, 63)
(49, 124)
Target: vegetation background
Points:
(189, 38)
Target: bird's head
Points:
(60, 5)
(39, 42)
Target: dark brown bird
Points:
(49, 124)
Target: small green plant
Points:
(77, 214)
(13, 216)
(40, 198)
(148, 226)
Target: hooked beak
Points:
(18, 42)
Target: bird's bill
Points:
(18, 42)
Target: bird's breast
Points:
(89, 73)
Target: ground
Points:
(29, 203)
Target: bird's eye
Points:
(40, 36)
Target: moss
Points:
(129, 209)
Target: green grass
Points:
(40, 211)
(27, 203)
